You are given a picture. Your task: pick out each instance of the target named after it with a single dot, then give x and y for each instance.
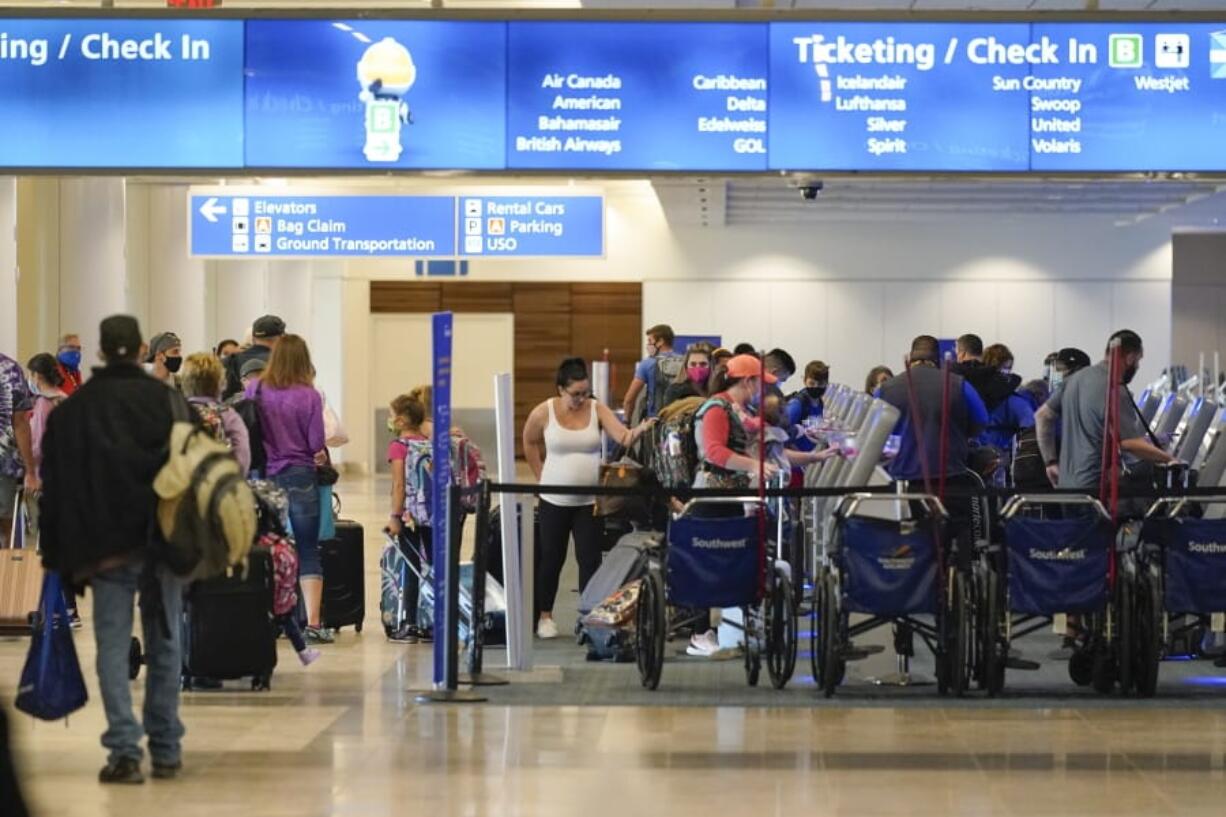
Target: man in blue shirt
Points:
(967, 417)
(646, 391)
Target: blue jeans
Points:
(114, 592)
(299, 483)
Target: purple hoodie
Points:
(292, 422)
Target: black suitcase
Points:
(228, 627)
(344, 566)
(493, 543)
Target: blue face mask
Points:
(1055, 380)
(70, 358)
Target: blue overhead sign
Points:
(376, 94)
(121, 93)
(637, 96)
(1129, 96)
(309, 226)
(528, 226)
(395, 95)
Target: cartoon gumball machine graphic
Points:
(386, 73)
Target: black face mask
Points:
(815, 392)
(1129, 373)
(173, 363)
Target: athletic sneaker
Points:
(703, 646)
(123, 770)
(319, 635)
(1068, 645)
(309, 656)
(405, 635)
(546, 628)
(167, 771)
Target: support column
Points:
(8, 266)
(177, 290)
(240, 290)
(93, 279)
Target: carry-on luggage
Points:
(493, 553)
(344, 593)
(625, 563)
(21, 574)
(229, 631)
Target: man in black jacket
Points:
(102, 450)
(265, 333)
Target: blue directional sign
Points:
(246, 225)
(525, 226)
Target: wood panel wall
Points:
(552, 321)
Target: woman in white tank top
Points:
(562, 446)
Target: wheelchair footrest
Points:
(855, 653)
(1017, 662)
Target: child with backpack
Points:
(409, 521)
(285, 593)
(201, 382)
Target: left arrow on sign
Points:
(211, 209)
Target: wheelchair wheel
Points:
(959, 635)
(1147, 629)
(780, 626)
(829, 627)
(1125, 635)
(753, 644)
(1081, 666)
(993, 648)
(796, 558)
(650, 625)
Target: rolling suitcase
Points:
(229, 631)
(344, 595)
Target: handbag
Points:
(625, 473)
(21, 570)
(52, 686)
(327, 513)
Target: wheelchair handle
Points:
(711, 500)
(1014, 505)
(1180, 501)
(853, 501)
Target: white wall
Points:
(854, 298)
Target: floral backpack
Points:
(284, 571)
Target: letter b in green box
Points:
(1126, 50)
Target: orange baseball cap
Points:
(748, 366)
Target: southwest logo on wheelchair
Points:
(721, 544)
(1207, 548)
(900, 559)
(1065, 555)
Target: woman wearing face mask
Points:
(47, 385)
(68, 360)
(165, 358)
(562, 446)
(1007, 418)
(692, 380)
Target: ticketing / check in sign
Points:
(248, 225)
(520, 226)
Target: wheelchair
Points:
(1180, 582)
(718, 562)
(895, 571)
(1047, 568)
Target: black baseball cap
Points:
(1073, 358)
(119, 337)
(269, 326)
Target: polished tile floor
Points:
(345, 737)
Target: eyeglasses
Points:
(577, 395)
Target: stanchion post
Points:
(476, 655)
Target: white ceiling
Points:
(764, 201)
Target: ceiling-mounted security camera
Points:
(811, 190)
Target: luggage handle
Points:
(850, 503)
(1017, 503)
(748, 499)
(1180, 501)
